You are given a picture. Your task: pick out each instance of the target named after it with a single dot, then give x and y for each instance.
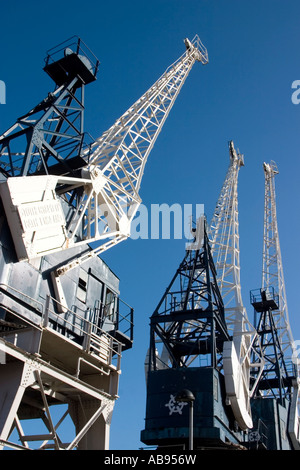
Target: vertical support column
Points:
(14, 378)
(92, 421)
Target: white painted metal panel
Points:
(34, 215)
(237, 388)
(294, 419)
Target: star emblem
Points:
(174, 406)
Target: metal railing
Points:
(76, 45)
(124, 322)
(268, 294)
(93, 339)
(24, 298)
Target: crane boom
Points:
(273, 277)
(119, 156)
(224, 240)
(272, 272)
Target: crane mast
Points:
(189, 338)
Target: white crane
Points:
(108, 185)
(119, 156)
(273, 281)
(60, 192)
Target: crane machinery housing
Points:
(63, 326)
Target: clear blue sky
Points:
(243, 94)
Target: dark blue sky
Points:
(243, 94)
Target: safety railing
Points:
(176, 301)
(267, 294)
(94, 339)
(124, 321)
(21, 297)
(75, 44)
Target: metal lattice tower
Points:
(188, 323)
(273, 286)
(50, 138)
(275, 379)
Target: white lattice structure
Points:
(273, 278)
(272, 271)
(119, 156)
(224, 240)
